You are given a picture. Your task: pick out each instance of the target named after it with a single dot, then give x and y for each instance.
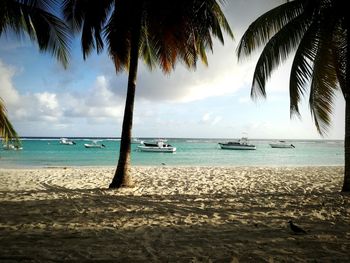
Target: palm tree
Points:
(7, 132)
(160, 32)
(317, 31)
(37, 19)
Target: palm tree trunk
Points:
(346, 184)
(346, 93)
(122, 173)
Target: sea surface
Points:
(48, 152)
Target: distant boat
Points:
(241, 144)
(94, 144)
(66, 141)
(12, 147)
(157, 146)
(135, 141)
(281, 144)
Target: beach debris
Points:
(296, 229)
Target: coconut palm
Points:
(38, 20)
(160, 32)
(316, 30)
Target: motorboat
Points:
(281, 144)
(94, 144)
(66, 141)
(241, 144)
(157, 146)
(12, 147)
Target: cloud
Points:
(98, 103)
(208, 118)
(7, 91)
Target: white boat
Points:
(281, 144)
(135, 141)
(241, 144)
(94, 144)
(66, 141)
(158, 146)
(12, 147)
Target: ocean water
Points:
(48, 152)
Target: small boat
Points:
(66, 141)
(241, 144)
(94, 144)
(135, 141)
(12, 147)
(157, 146)
(281, 144)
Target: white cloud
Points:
(7, 91)
(47, 101)
(98, 103)
(208, 118)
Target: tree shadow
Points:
(97, 224)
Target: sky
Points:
(87, 99)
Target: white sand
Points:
(174, 214)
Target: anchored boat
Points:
(241, 144)
(157, 146)
(66, 141)
(281, 144)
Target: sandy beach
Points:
(174, 214)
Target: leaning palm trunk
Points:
(346, 93)
(346, 184)
(122, 173)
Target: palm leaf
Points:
(339, 48)
(263, 28)
(7, 132)
(302, 66)
(276, 52)
(324, 84)
(39, 20)
(90, 17)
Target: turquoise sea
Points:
(48, 152)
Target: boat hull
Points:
(281, 146)
(11, 147)
(237, 147)
(93, 146)
(65, 141)
(157, 149)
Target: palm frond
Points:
(222, 21)
(118, 33)
(324, 85)
(170, 31)
(40, 20)
(263, 28)
(7, 132)
(147, 49)
(302, 66)
(277, 51)
(51, 34)
(339, 48)
(90, 17)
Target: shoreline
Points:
(175, 214)
(165, 165)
